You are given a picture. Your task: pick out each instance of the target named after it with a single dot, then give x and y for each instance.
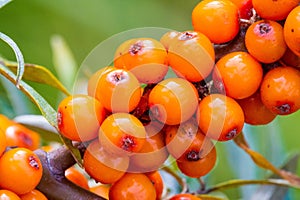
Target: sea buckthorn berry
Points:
(8, 195)
(132, 187)
(20, 136)
(200, 167)
(122, 133)
(186, 141)
(217, 19)
(144, 57)
(265, 41)
(280, 90)
(102, 165)
(274, 10)
(2, 141)
(5, 122)
(291, 30)
(255, 112)
(75, 176)
(157, 181)
(185, 196)
(94, 79)
(153, 153)
(291, 59)
(101, 190)
(220, 117)
(173, 101)
(245, 8)
(33, 195)
(191, 55)
(118, 90)
(79, 117)
(168, 38)
(241, 68)
(20, 170)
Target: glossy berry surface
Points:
(292, 30)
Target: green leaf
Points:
(210, 197)
(47, 111)
(39, 74)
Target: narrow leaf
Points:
(210, 197)
(39, 74)
(262, 162)
(19, 56)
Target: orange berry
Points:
(8, 195)
(291, 30)
(173, 100)
(79, 117)
(153, 153)
(168, 38)
(132, 187)
(265, 41)
(3, 144)
(200, 167)
(102, 165)
(118, 90)
(75, 176)
(184, 197)
(191, 55)
(122, 133)
(94, 79)
(241, 68)
(101, 190)
(5, 122)
(144, 57)
(157, 181)
(274, 10)
(217, 19)
(20, 136)
(256, 113)
(280, 90)
(33, 195)
(245, 8)
(20, 170)
(220, 117)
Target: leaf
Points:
(210, 197)
(264, 163)
(39, 74)
(47, 111)
(271, 192)
(19, 56)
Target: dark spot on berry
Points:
(292, 30)
(135, 48)
(193, 156)
(187, 35)
(128, 143)
(33, 162)
(26, 139)
(283, 108)
(264, 28)
(231, 134)
(268, 86)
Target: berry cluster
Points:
(20, 168)
(134, 115)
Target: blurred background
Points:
(47, 32)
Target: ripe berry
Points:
(168, 38)
(245, 8)
(157, 181)
(122, 133)
(274, 10)
(79, 117)
(8, 195)
(118, 90)
(191, 55)
(75, 176)
(200, 167)
(132, 187)
(20, 170)
(33, 195)
(217, 19)
(220, 117)
(264, 41)
(153, 153)
(291, 59)
(102, 165)
(173, 101)
(144, 57)
(280, 90)
(292, 30)
(20, 136)
(256, 113)
(185, 196)
(241, 68)
(2, 141)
